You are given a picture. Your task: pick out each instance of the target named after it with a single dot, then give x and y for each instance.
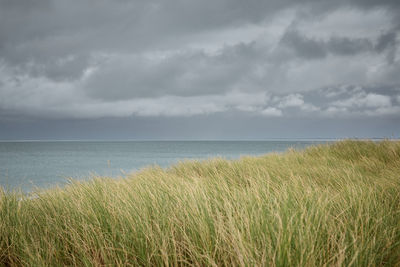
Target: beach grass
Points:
(329, 205)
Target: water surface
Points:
(31, 164)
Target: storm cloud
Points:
(260, 60)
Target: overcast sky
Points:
(190, 69)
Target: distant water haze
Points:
(43, 164)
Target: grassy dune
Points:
(331, 205)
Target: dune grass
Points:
(329, 205)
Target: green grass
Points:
(332, 205)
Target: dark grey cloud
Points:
(313, 48)
(185, 74)
(265, 60)
(387, 40)
(55, 28)
(303, 46)
(182, 73)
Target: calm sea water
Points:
(27, 165)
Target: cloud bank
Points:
(265, 59)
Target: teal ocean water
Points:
(30, 164)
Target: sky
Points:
(189, 69)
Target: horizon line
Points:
(202, 140)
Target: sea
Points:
(31, 165)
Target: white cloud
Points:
(292, 100)
(295, 100)
(376, 100)
(334, 111)
(46, 98)
(271, 112)
(370, 100)
(309, 107)
(362, 104)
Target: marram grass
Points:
(330, 205)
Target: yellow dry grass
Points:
(330, 205)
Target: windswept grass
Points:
(332, 205)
